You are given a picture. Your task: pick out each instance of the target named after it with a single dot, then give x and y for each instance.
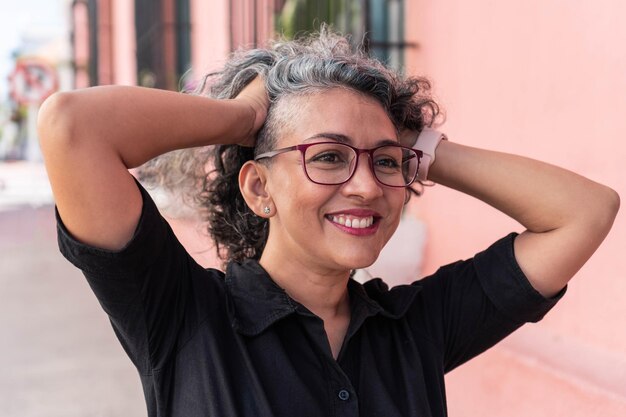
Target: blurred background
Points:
(541, 78)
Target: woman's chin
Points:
(359, 261)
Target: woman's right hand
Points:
(255, 96)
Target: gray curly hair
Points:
(293, 68)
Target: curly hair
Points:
(311, 64)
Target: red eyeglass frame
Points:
(304, 146)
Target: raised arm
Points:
(566, 215)
(90, 138)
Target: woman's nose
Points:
(363, 182)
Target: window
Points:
(385, 27)
(299, 16)
(163, 42)
(92, 8)
(183, 37)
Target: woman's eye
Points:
(327, 157)
(387, 163)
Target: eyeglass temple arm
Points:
(273, 153)
(417, 154)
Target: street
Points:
(58, 353)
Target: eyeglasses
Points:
(333, 163)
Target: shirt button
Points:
(343, 395)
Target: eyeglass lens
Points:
(334, 163)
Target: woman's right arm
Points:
(91, 137)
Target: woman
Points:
(285, 331)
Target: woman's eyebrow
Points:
(333, 136)
(383, 142)
(346, 139)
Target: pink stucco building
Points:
(544, 79)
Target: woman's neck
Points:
(322, 291)
(325, 293)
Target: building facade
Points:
(166, 43)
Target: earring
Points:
(267, 210)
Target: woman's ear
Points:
(252, 183)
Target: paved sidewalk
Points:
(58, 354)
(23, 184)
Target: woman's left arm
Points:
(566, 215)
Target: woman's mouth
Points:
(353, 221)
(355, 225)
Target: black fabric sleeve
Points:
(142, 287)
(514, 297)
(474, 304)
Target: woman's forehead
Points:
(337, 114)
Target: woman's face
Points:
(306, 226)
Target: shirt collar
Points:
(259, 301)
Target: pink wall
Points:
(209, 35)
(80, 19)
(124, 44)
(105, 44)
(546, 80)
(252, 22)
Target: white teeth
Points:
(355, 223)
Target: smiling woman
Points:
(316, 146)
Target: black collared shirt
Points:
(207, 343)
